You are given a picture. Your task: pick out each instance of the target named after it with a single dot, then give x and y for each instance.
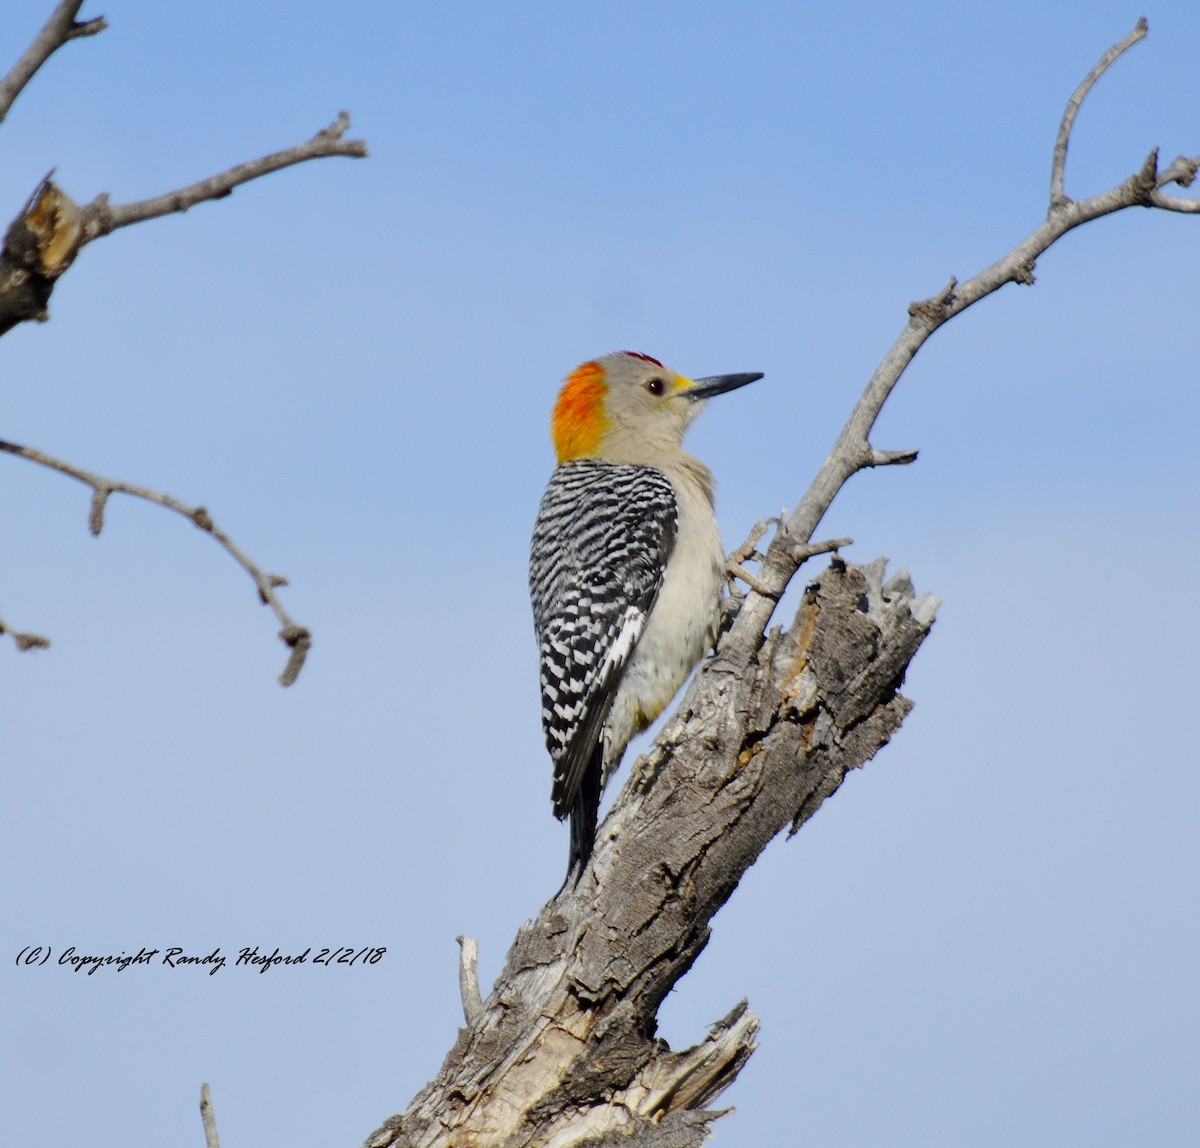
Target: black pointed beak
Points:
(719, 384)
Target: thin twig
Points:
(24, 641)
(747, 551)
(468, 977)
(800, 553)
(803, 551)
(1174, 203)
(1181, 170)
(737, 570)
(296, 637)
(61, 27)
(875, 457)
(209, 1117)
(1058, 165)
(103, 218)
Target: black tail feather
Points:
(584, 814)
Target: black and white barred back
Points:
(603, 535)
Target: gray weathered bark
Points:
(563, 1051)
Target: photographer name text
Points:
(249, 958)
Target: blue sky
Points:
(988, 937)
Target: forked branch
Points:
(1058, 166)
(61, 27)
(852, 451)
(295, 637)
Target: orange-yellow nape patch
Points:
(579, 420)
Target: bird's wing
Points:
(603, 535)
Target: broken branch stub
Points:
(563, 1049)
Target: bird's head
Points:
(628, 407)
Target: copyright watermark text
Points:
(249, 958)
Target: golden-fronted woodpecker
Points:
(625, 568)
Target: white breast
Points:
(682, 624)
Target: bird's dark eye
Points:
(657, 386)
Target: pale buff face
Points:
(627, 407)
(647, 405)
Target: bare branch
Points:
(737, 570)
(801, 552)
(747, 551)
(852, 451)
(209, 1117)
(102, 218)
(61, 27)
(296, 637)
(51, 230)
(1058, 197)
